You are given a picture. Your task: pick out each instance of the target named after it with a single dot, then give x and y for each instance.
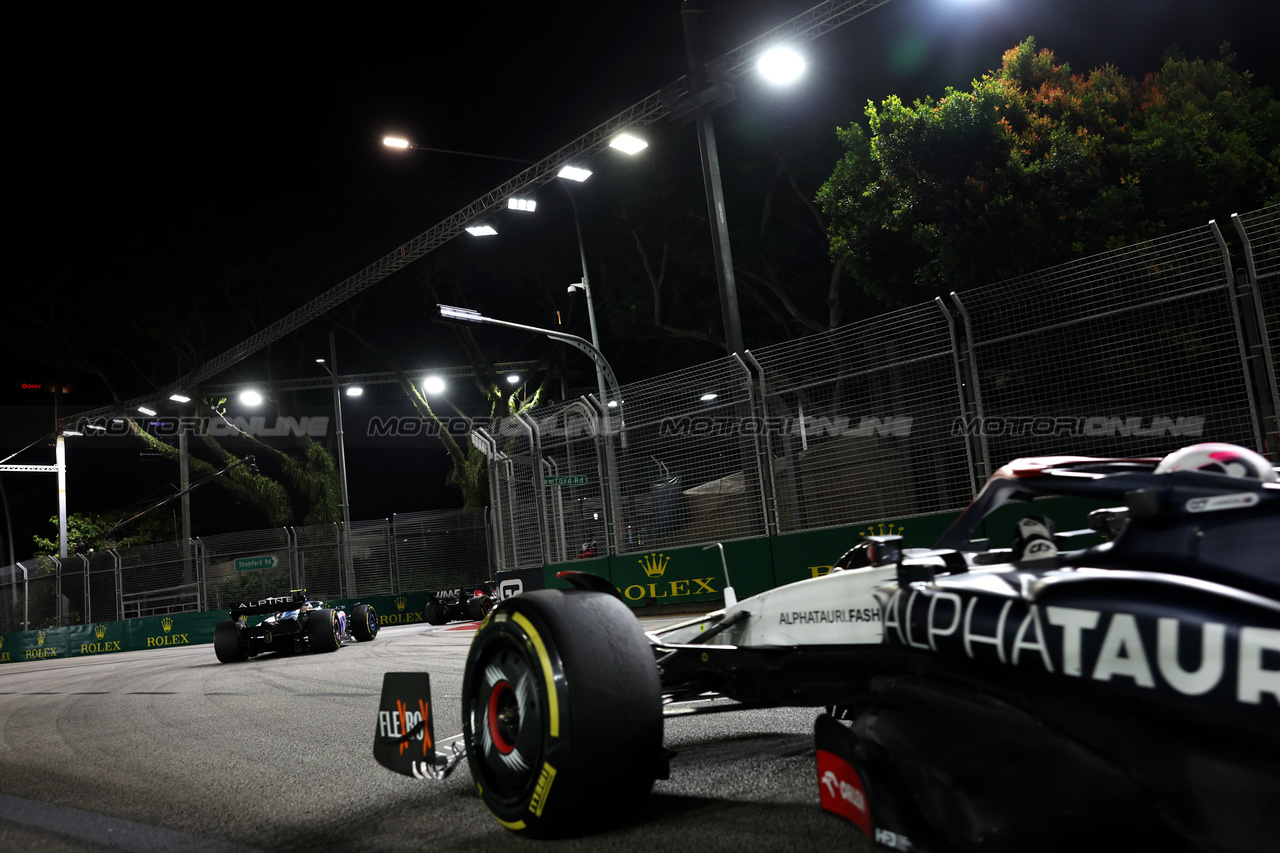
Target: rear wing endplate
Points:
(404, 736)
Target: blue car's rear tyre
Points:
(323, 631)
(228, 644)
(562, 712)
(364, 622)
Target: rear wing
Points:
(275, 604)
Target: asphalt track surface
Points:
(169, 750)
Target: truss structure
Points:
(660, 105)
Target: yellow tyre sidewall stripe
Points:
(553, 701)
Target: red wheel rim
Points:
(495, 731)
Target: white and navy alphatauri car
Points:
(294, 623)
(1037, 697)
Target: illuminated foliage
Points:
(1035, 166)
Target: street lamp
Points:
(469, 315)
(625, 142)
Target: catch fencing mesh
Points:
(1136, 351)
(573, 477)
(1132, 352)
(228, 558)
(437, 550)
(687, 472)
(860, 422)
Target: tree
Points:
(99, 531)
(1035, 166)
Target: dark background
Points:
(239, 156)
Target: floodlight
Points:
(574, 173)
(146, 411)
(628, 144)
(481, 229)
(781, 65)
(450, 312)
(180, 398)
(395, 142)
(433, 385)
(525, 204)
(251, 398)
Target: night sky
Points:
(242, 153)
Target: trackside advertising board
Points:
(694, 574)
(689, 575)
(176, 629)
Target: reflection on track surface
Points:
(171, 750)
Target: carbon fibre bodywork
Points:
(1037, 697)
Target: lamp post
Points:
(344, 547)
(585, 286)
(720, 247)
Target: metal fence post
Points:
(1261, 366)
(981, 467)
(88, 602)
(539, 489)
(974, 483)
(118, 572)
(755, 448)
(1233, 299)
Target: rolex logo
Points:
(884, 529)
(100, 631)
(1, 642)
(39, 638)
(654, 564)
(167, 624)
(401, 601)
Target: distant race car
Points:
(294, 623)
(1038, 697)
(459, 604)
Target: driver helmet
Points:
(1219, 458)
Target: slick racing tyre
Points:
(227, 643)
(323, 631)
(433, 614)
(364, 623)
(562, 712)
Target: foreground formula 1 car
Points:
(1029, 698)
(294, 623)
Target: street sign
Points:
(576, 480)
(248, 564)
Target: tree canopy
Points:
(1035, 166)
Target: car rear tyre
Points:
(562, 712)
(364, 623)
(323, 631)
(432, 613)
(228, 644)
